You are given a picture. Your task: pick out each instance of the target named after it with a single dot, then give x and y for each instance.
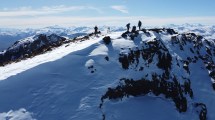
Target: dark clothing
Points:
(139, 24)
(96, 29)
(134, 29)
(128, 26)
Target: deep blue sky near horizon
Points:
(89, 11)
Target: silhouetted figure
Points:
(96, 29)
(139, 24)
(134, 29)
(108, 30)
(128, 26)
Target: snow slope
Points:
(20, 114)
(60, 79)
(58, 53)
(69, 82)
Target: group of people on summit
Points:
(128, 28)
(134, 27)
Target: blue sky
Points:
(38, 13)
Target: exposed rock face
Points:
(158, 85)
(30, 47)
(202, 110)
(107, 40)
(158, 54)
(38, 44)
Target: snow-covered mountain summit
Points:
(128, 75)
(9, 35)
(30, 47)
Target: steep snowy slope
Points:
(30, 47)
(154, 74)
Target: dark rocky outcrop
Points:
(156, 48)
(39, 44)
(134, 33)
(201, 109)
(192, 48)
(28, 48)
(107, 40)
(171, 31)
(158, 85)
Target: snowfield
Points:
(68, 82)
(20, 114)
(13, 69)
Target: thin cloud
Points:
(95, 8)
(91, 21)
(120, 8)
(46, 10)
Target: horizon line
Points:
(63, 21)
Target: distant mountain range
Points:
(9, 35)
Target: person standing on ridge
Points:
(139, 24)
(96, 30)
(134, 29)
(128, 26)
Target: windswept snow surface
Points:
(57, 88)
(13, 69)
(20, 114)
(67, 83)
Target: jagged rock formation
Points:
(158, 85)
(35, 45)
(160, 54)
(30, 47)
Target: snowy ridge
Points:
(144, 70)
(167, 60)
(13, 69)
(30, 47)
(9, 35)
